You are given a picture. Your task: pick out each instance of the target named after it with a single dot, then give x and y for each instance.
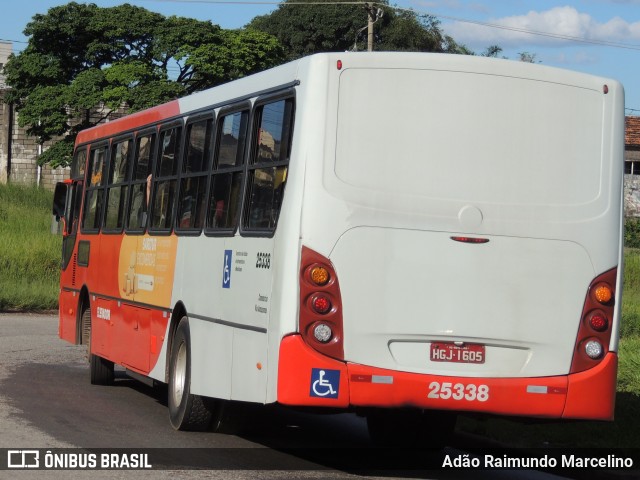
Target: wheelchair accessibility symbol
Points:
(324, 383)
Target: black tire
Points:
(410, 428)
(100, 369)
(186, 411)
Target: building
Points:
(632, 146)
(18, 150)
(632, 167)
(5, 51)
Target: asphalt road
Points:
(46, 401)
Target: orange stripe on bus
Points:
(130, 122)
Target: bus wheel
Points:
(101, 369)
(186, 411)
(410, 428)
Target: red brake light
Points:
(598, 321)
(321, 304)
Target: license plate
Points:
(450, 352)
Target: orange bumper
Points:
(307, 378)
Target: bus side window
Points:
(164, 194)
(77, 172)
(269, 168)
(79, 163)
(195, 169)
(94, 195)
(116, 185)
(226, 186)
(140, 188)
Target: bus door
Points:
(71, 195)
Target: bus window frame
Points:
(250, 164)
(245, 106)
(178, 123)
(149, 131)
(206, 173)
(125, 184)
(105, 143)
(77, 173)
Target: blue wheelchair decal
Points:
(324, 383)
(226, 270)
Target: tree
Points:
(240, 53)
(306, 29)
(81, 56)
(492, 51)
(527, 57)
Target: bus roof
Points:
(291, 72)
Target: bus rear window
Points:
(489, 139)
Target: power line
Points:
(12, 41)
(558, 36)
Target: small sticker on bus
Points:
(226, 269)
(325, 383)
(145, 282)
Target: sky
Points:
(600, 37)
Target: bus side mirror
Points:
(60, 200)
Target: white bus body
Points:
(458, 201)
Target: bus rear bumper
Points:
(308, 378)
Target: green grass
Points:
(29, 253)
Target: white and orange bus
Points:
(403, 235)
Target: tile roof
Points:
(632, 131)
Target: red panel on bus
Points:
(590, 391)
(586, 395)
(296, 368)
(68, 302)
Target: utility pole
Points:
(372, 11)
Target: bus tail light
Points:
(322, 332)
(321, 304)
(319, 275)
(598, 321)
(320, 321)
(594, 334)
(593, 348)
(602, 293)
